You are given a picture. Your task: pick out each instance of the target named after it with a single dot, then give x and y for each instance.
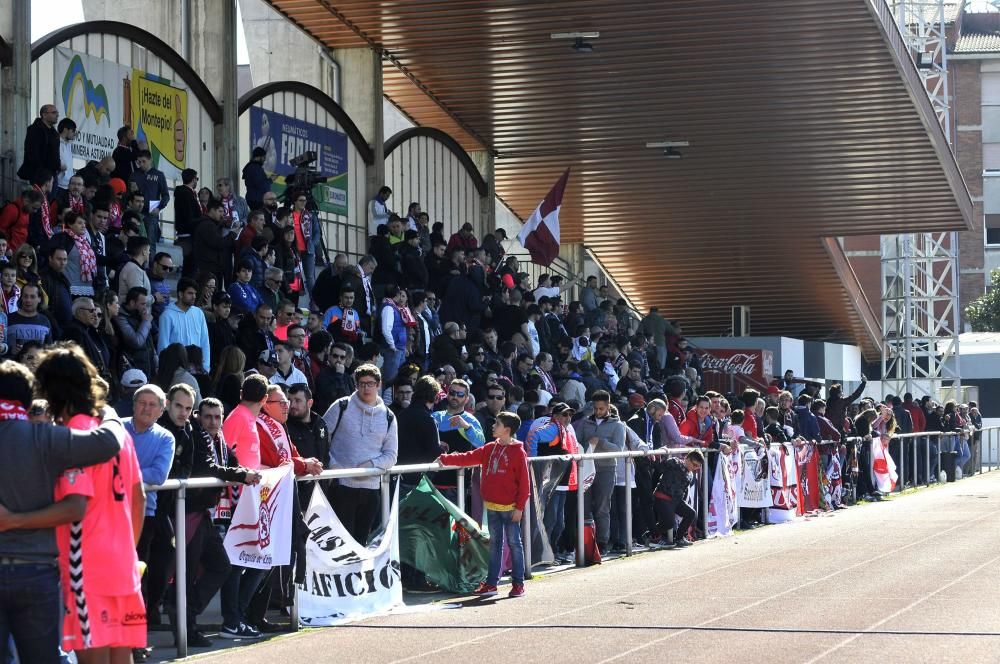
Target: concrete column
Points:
(213, 56)
(280, 51)
(485, 162)
(15, 92)
(361, 99)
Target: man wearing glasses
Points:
(363, 435)
(459, 430)
(159, 269)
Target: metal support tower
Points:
(920, 278)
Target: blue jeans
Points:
(31, 611)
(392, 360)
(237, 592)
(555, 518)
(500, 524)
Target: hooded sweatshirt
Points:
(505, 473)
(366, 438)
(610, 433)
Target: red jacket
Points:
(505, 471)
(14, 224)
(917, 415)
(269, 455)
(750, 423)
(689, 427)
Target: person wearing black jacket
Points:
(126, 154)
(256, 179)
(208, 564)
(41, 144)
(187, 212)
(669, 496)
(334, 380)
(308, 432)
(213, 246)
(646, 423)
(412, 263)
(419, 442)
(462, 303)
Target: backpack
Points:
(342, 405)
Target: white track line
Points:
(903, 610)
(672, 582)
(800, 586)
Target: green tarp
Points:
(441, 541)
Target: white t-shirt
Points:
(546, 291)
(294, 377)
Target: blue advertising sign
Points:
(285, 137)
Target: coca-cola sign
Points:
(750, 363)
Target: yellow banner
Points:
(159, 116)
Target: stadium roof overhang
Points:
(806, 121)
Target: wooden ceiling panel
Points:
(806, 121)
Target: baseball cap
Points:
(133, 379)
(559, 408)
(466, 226)
(637, 401)
(773, 389)
(267, 357)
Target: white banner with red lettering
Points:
(344, 578)
(260, 535)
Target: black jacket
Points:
(257, 184)
(213, 251)
(203, 464)
(674, 478)
(56, 286)
(413, 267)
(125, 158)
(444, 351)
(331, 386)
(418, 435)
(136, 337)
(41, 150)
(637, 423)
(187, 210)
(220, 335)
(311, 438)
(92, 343)
(462, 303)
(252, 340)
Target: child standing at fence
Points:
(504, 488)
(669, 497)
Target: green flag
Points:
(441, 541)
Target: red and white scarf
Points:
(88, 260)
(46, 212)
(277, 435)
(11, 299)
(76, 204)
(12, 410)
(115, 216)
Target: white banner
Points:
(344, 579)
(723, 513)
(784, 483)
(261, 532)
(755, 490)
(92, 92)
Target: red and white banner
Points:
(784, 483)
(540, 234)
(723, 512)
(883, 467)
(260, 535)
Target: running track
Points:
(914, 579)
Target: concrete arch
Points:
(147, 40)
(322, 99)
(447, 141)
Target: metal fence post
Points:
(927, 457)
(460, 487)
(180, 574)
(902, 464)
(704, 498)
(629, 462)
(938, 478)
(384, 484)
(526, 534)
(581, 559)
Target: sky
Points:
(49, 15)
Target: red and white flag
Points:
(540, 234)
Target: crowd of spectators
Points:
(261, 345)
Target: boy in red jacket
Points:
(504, 488)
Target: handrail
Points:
(182, 485)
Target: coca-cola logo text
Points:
(743, 364)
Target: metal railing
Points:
(181, 486)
